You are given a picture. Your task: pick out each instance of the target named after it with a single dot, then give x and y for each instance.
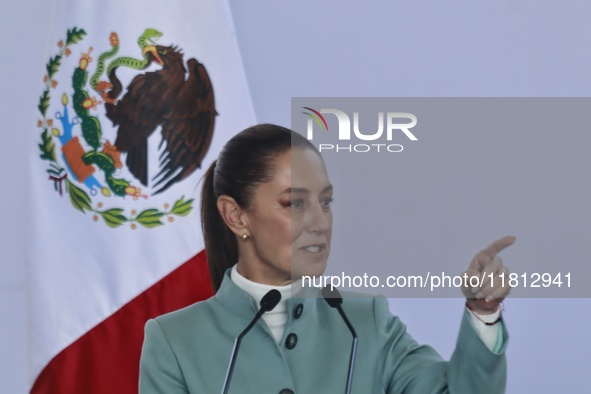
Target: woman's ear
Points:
(233, 215)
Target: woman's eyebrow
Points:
(304, 190)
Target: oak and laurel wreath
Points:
(113, 217)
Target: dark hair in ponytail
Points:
(245, 162)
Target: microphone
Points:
(268, 302)
(334, 300)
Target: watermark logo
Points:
(317, 117)
(389, 124)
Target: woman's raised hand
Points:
(485, 294)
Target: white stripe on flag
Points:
(80, 270)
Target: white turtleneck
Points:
(277, 318)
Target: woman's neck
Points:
(261, 276)
(258, 290)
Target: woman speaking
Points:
(267, 220)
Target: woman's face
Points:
(290, 221)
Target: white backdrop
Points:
(346, 48)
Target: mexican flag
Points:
(137, 99)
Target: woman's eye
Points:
(326, 203)
(296, 203)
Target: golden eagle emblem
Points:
(177, 98)
(167, 94)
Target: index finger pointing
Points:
(496, 247)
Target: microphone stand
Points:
(334, 300)
(268, 302)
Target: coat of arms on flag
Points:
(95, 130)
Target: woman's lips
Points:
(314, 248)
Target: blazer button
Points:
(286, 391)
(298, 311)
(291, 341)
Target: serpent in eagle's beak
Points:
(152, 49)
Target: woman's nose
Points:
(319, 221)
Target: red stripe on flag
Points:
(106, 358)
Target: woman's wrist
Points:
(483, 307)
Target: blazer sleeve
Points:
(410, 368)
(160, 372)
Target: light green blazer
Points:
(188, 351)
